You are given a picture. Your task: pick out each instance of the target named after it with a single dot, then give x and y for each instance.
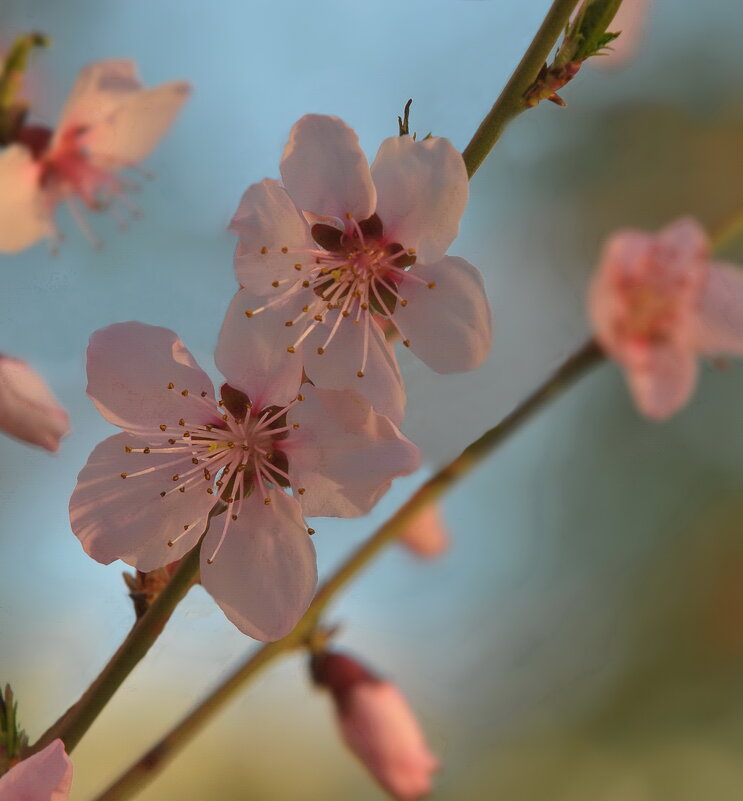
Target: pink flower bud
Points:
(378, 726)
(427, 535)
(28, 410)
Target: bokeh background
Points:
(582, 640)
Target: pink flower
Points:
(28, 410)
(146, 496)
(46, 776)
(378, 726)
(109, 123)
(339, 245)
(427, 535)
(656, 302)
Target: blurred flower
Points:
(186, 461)
(427, 535)
(378, 726)
(46, 776)
(109, 123)
(656, 302)
(28, 410)
(339, 246)
(631, 21)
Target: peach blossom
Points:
(28, 410)
(46, 776)
(109, 123)
(658, 301)
(146, 496)
(341, 246)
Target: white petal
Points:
(126, 518)
(718, 324)
(449, 326)
(24, 218)
(130, 367)
(325, 170)
(264, 573)
(338, 366)
(422, 191)
(252, 352)
(130, 131)
(267, 220)
(344, 454)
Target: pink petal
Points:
(344, 454)
(681, 247)
(46, 776)
(338, 366)
(267, 220)
(99, 89)
(381, 729)
(28, 410)
(325, 170)
(661, 378)
(422, 191)
(718, 324)
(427, 535)
(130, 131)
(130, 367)
(252, 352)
(24, 218)
(264, 574)
(126, 518)
(448, 326)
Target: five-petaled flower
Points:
(378, 726)
(46, 776)
(28, 410)
(656, 302)
(108, 124)
(187, 462)
(341, 245)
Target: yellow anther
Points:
(176, 477)
(284, 250)
(301, 490)
(297, 266)
(171, 385)
(295, 426)
(411, 251)
(194, 460)
(128, 448)
(403, 303)
(274, 283)
(181, 489)
(289, 323)
(318, 317)
(184, 393)
(162, 427)
(171, 441)
(146, 450)
(406, 342)
(310, 531)
(266, 501)
(248, 314)
(320, 351)
(290, 349)
(234, 517)
(300, 397)
(264, 250)
(185, 528)
(305, 284)
(203, 394)
(163, 494)
(432, 285)
(123, 475)
(360, 374)
(181, 422)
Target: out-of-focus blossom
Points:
(631, 21)
(146, 495)
(427, 536)
(46, 776)
(656, 302)
(108, 124)
(28, 410)
(378, 725)
(340, 246)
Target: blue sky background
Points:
(573, 551)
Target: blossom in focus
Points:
(108, 124)
(46, 776)
(426, 536)
(28, 410)
(339, 248)
(656, 302)
(378, 725)
(186, 461)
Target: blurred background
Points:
(582, 640)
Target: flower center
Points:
(355, 272)
(236, 455)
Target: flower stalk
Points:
(152, 762)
